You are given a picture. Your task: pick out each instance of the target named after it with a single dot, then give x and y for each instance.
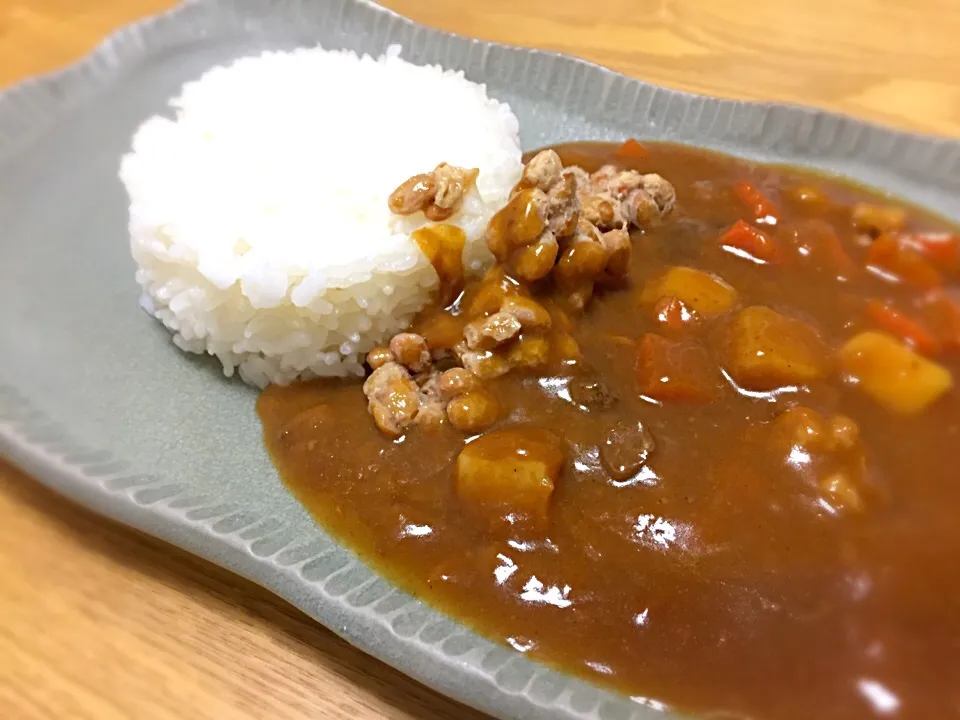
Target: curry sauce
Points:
(731, 481)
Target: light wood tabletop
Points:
(103, 623)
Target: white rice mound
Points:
(259, 219)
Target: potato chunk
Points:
(770, 350)
(825, 453)
(513, 470)
(809, 430)
(700, 291)
(893, 374)
(798, 427)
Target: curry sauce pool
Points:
(753, 510)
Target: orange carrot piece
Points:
(942, 249)
(672, 313)
(883, 252)
(838, 256)
(674, 371)
(907, 264)
(631, 150)
(886, 318)
(818, 238)
(942, 314)
(744, 238)
(759, 204)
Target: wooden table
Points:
(103, 623)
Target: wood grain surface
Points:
(100, 622)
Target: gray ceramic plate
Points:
(96, 402)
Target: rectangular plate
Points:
(97, 403)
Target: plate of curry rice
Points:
(567, 395)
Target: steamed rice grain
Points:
(258, 215)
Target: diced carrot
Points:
(902, 326)
(674, 371)
(942, 249)
(817, 240)
(890, 257)
(631, 150)
(942, 314)
(757, 203)
(672, 313)
(883, 252)
(742, 238)
(841, 260)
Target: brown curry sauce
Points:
(730, 572)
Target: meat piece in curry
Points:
(693, 436)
